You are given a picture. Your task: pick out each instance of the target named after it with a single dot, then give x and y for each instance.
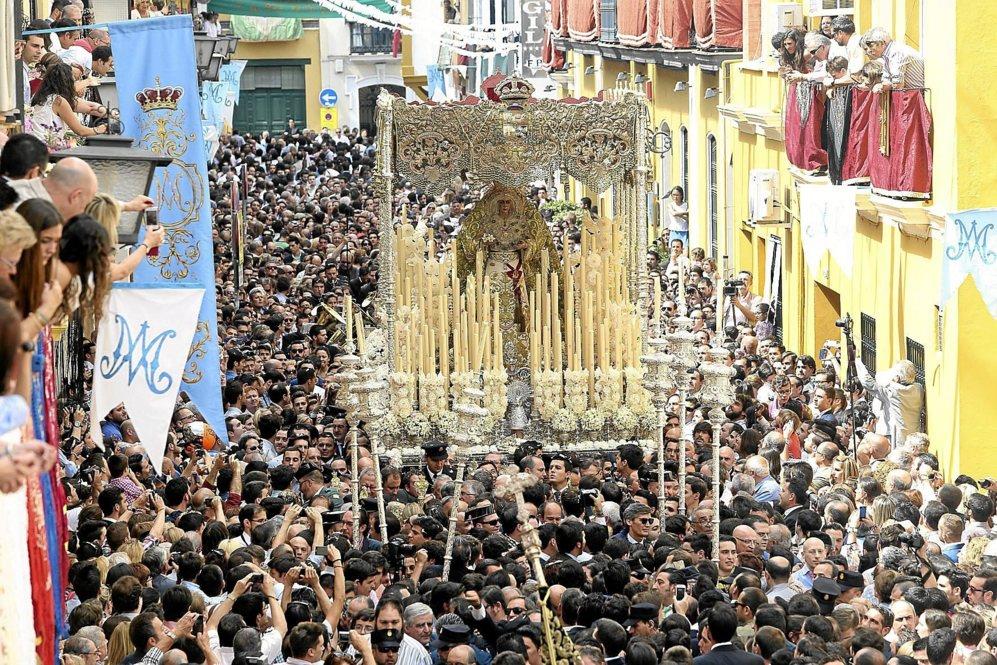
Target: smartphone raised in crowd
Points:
(152, 219)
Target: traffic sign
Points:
(328, 97)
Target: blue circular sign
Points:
(328, 97)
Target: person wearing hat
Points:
(642, 620)
(826, 591)
(436, 461)
(384, 645)
(851, 584)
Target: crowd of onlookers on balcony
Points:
(836, 54)
(62, 69)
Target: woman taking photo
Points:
(52, 114)
(107, 211)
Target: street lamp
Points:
(209, 52)
(122, 171)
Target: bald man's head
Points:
(72, 184)
(461, 655)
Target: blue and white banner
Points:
(156, 78)
(142, 346)
(827, 223)
(970, 248)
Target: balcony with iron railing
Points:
(367, 40)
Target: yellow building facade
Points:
(724, 120)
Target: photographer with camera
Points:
(740, 304)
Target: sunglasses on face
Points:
(646, 521)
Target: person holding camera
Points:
(740, 303)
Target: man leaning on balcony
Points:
(816, 48)
(903, 66)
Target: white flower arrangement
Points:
(402, 387)
(576, 386)
(458, 382)
(637, 396)
(564, 420)
(609, 389)
(387, 426)
(648, 420)
(432, 394)
(592, 420)
(625, 420)
(446, 422)
(496, 391)
(418, 426)
(547, 393)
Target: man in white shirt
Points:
(846, 44)
(741, 307)
(903, 66)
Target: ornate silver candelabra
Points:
(683, 360)
(470, 415)
(717, 393)
(659, 382)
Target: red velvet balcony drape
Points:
(583, 20)
(636, 22)
(855, 169)
(717, 23)
(559, 18)
(906, 172)
(803, 117)
(674, 23)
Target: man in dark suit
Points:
(436, 462)
(715, 640)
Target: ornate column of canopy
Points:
(349, 379)
(659, 381)
(384, 186)
(370, 392)
(717, 393)
(470, 416)
(683, 360)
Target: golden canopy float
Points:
(552, 337)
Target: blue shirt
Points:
(767, 490)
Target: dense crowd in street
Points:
(244, 554)
(843, 540)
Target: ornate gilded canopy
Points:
(594, 141)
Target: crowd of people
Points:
(833, 548)
(842, 538)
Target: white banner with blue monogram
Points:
(970, 248)
(827, 223)
(142, 346)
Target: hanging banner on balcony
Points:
(142, 341)
(970, 248)
(827, 223)
(158, 93)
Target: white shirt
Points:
(851, 52)
(675, 221)
(903, 66)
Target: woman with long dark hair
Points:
(38, 293)
(85, 251)
(791, 52)
(52, 114)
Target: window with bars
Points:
(712, 202)
(367, 39)
(915, 354)
(684, 136)
(868, 333)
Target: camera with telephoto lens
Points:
(731, 286)
(395, 552)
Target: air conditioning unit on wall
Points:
(763, 187)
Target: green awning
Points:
(283, 8)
